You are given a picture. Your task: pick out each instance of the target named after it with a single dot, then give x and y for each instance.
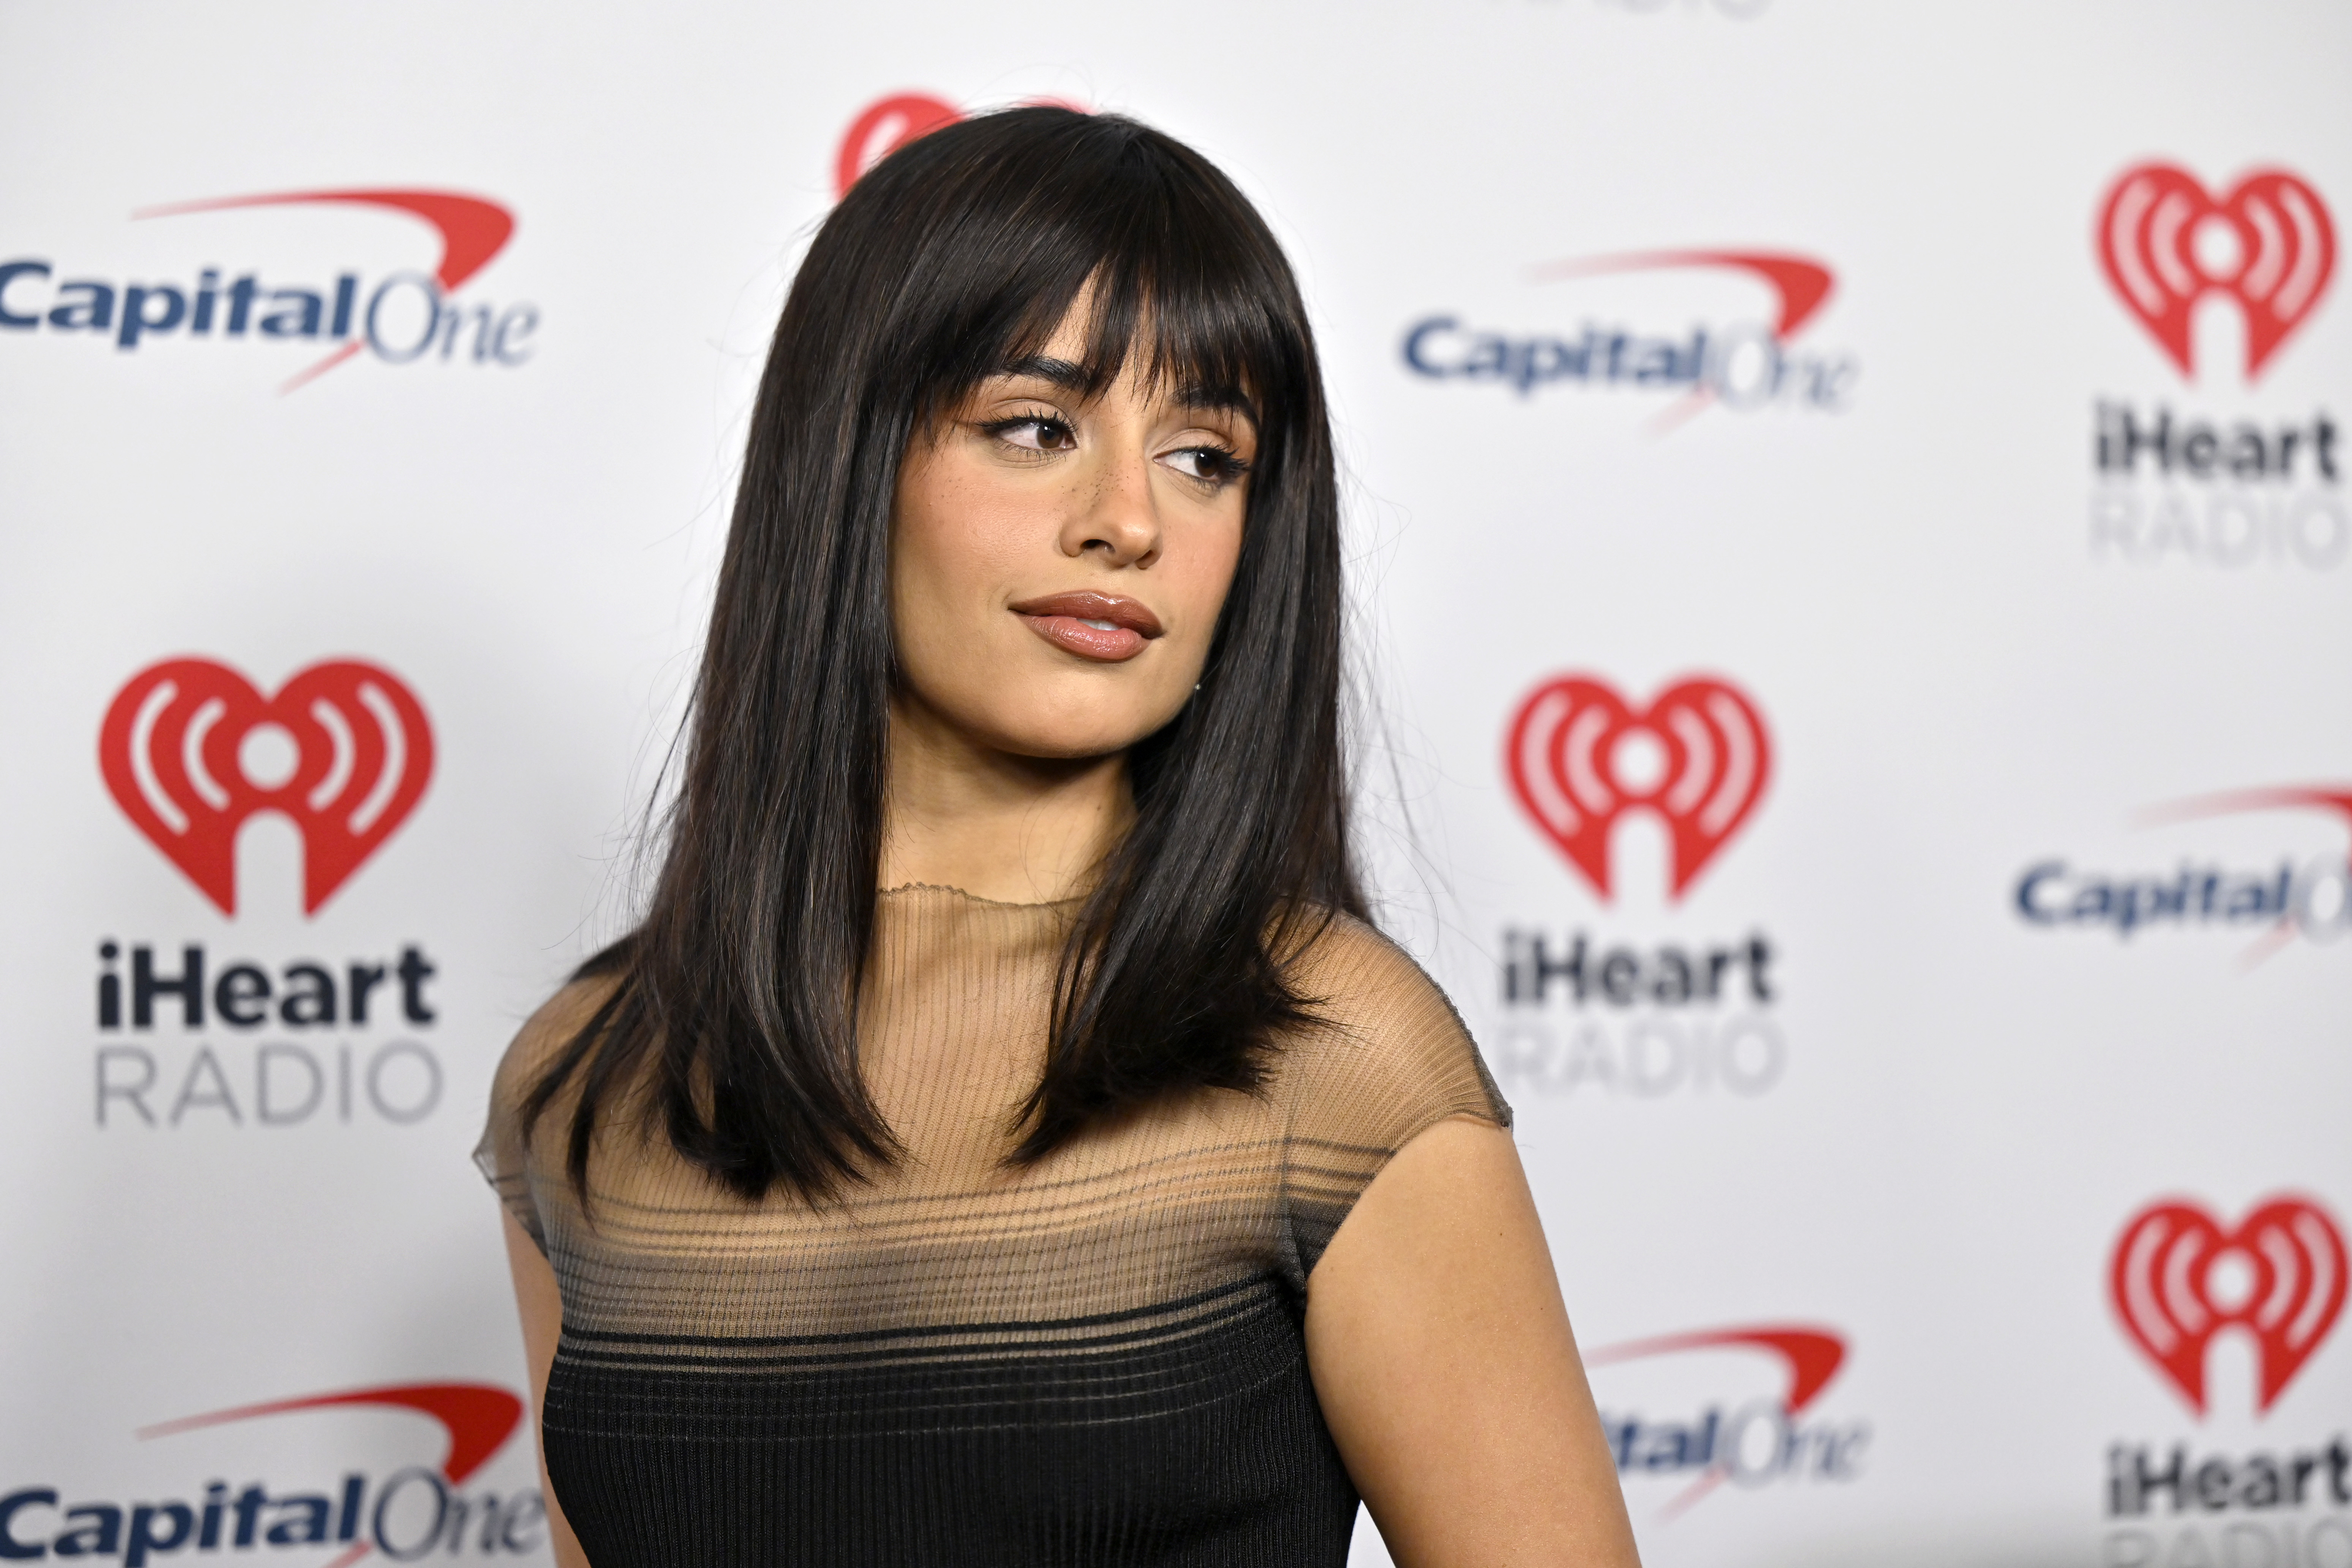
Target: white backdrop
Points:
(1764, 344)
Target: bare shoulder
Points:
(1435, 1332)
(1446, 1371)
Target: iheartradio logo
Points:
(1580, 757)
(2164, 242)
(190, 749)
(2179, 1279)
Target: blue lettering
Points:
(240, 303)
(1414, 339)
(385, 350)
(199, 323)
(296, 313)
(2046, 872)
(1669, 1449)
(302, 1521)
(93, 312)
(1547, 360)
(426, 1539)
(1658, 363)
(135, 318)
(507, 338)
(100, 1535)
(527, 1512)
(347, 1524)
(1490, 360)
(1746, 346)
(1740, 1456)
(143, 1538)
(11, 1548)
(8, 275)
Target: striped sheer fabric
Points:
(1096, 1359)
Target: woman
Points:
(972, 1156)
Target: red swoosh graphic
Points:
(478, 1417)
(1803, 287)
(2267, 946)
(1813, 1356)
(2338, 800)
(473, 231)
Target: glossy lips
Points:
(1100, 626)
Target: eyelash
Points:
(1224, 463)
(1000, 428)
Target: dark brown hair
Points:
(737, 999)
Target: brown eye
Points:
(1033, 432)
(1212, 465)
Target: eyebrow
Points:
(1072, 378)
(1062, 373)
(1226, 399)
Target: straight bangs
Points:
(1179, 273)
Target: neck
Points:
(1017, 830)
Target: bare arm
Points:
(1441, 1356)
(542, 1324)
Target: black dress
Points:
(1097, 1359)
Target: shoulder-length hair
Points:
(735, 1007)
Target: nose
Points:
(1115, 514)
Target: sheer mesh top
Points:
(1097, 1358)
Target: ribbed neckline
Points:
(975, 898)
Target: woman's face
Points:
(1057, 565)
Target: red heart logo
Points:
(174, 750)
(1576, 760)
(885, 125)
(2164, 242)
(889, 123)
(2289, 1255)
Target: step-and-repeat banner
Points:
(1852, 543)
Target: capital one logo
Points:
(403, 317)
(1743, 363)
(406, 1516)
(2166, 241)
(2179, 1277)
(190, 749)
(1580, 757)
(1755, 1444)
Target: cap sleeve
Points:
(1390, 1059)
(503, 1155)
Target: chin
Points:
(1073, 736)
(1065, 747)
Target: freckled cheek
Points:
(994, 524)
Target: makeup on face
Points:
(1104, 627)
